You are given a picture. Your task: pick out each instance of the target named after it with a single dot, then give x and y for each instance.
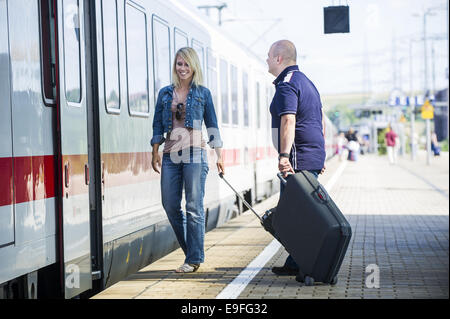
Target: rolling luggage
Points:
(310, 226)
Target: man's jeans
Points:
(289, 260)
(189, 168)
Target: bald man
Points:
(297, 122)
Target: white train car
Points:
(80, 206)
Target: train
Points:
(80, 206)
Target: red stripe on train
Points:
(34, 176)
(6, 181)
(34, 179)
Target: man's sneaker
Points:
(285, 271)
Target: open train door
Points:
(74, 223)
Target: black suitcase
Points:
(311, 228)
(309, 225)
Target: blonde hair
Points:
(190, 56)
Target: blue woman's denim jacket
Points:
(199, 107)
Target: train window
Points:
(161, 54)
(72, 50)
(212, 74)
(110, 55)
(245, 96)
(137, 61)
(48, 60)
(258, 104)
(224, 91)
(198, 47)
(234, 95)
(181, 40)
(4, 54)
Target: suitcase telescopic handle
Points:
(242, 199)
(280, 176)
(282, 179)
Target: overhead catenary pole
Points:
(412, 103)
(429, 11)
(219, 9)
(425, 84)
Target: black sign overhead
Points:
(336, 19)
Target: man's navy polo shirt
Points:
(296, 94)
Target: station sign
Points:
(427, 110)
(399, 100)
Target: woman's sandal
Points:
(186, 268)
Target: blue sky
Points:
(373, 56)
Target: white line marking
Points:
(234, 289)
(237, 286)
(335, 177)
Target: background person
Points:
(341, 142)
(390, 139)
(180, 111)
(352, 145)
(435, 145)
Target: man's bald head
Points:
(282, 54)
(285, 49)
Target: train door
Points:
(6, 160)
(74, 220)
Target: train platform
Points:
(399, 248)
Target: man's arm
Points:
(287, 133)
(286, 98)
(287, 136)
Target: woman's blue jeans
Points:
(187, 168)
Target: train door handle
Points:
(103, 180)
(86, 174)
(66, 175)
(103, 172)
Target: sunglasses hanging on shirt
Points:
(179, 111)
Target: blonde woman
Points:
(181, 109)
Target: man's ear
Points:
(279, 59)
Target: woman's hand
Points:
(220, 164)
(156, 162)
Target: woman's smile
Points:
(183, 69)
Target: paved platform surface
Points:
(399, 249)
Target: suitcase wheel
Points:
(334, 280)
(300, 278)
(309, 281)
